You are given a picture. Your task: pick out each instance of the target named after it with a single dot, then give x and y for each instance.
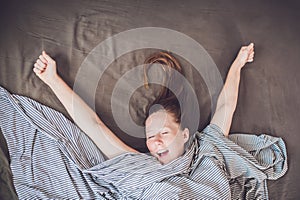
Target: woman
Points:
(212, 167)
(108, 143)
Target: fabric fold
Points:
(52, 158)
(250, 160)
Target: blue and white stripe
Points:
(52, 158)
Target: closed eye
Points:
(164, 133)
(150, 137)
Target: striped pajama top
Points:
(52, 158)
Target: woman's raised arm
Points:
(81, 113)
(227, 99)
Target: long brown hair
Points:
(168, 63)
(166, 99)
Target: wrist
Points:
(54, 81)
(238, 64)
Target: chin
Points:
(164, 162)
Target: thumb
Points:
(46, 56)
(250, 45)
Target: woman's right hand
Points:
(45, 68)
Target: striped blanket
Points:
(52, 158)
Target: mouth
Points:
(162, 153)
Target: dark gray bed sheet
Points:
(269, 99)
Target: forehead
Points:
(160, 120)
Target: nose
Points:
(158, 139)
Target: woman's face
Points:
(165, 139)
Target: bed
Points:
(73, 31)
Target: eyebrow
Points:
(156, 132)
(151, 132)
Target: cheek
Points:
(171, 139)
(150, 146)
(177, 141)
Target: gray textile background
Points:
(269, 99)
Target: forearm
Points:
(229, 94)
(74, 105)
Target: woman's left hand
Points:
(246, 54)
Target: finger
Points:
(36, 65)
(250, 58)
(41, 57)
(40, 63)
(250, 47)
(37, 71)
(46, 56)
